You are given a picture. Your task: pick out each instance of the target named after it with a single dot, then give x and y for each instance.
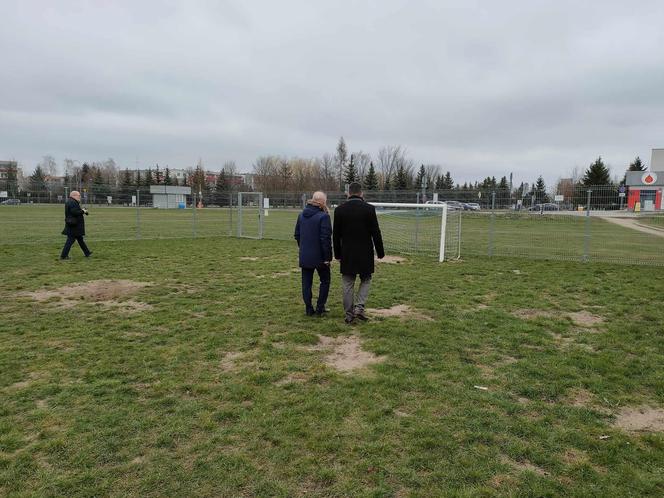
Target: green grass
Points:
(99, 402)
(551, 236)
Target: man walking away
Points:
(74, 225)
(356, 233)
(313, 232)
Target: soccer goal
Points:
(416, 228)
(250, 215)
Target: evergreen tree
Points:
(38, 181)
(387, 182)
(401, 179)
(596, 174)
(539, 191)
(637, 165)
(421, 175)
(341, 158)
(158, 177)
(222, 181)
(448, 183)
(167, 177)
(148, 180)
(99, 186)
(137, 180)
(371, 180)
(503, 185)
(350, 175)
(85, 173)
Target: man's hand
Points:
(327, 263)
(85, 211)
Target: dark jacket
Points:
(74, 212)
(356, 233)
(313, 232)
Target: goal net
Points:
(429, 229)
(250, 215)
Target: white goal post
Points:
(442, 207)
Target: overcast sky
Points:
(480, 87)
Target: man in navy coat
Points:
(356, 234)
(313, 233)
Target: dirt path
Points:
(634, 225)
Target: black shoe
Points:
(88, 254)
(322, 311)
(310, 312)
(360, 316)
(349, 321)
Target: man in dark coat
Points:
(356, 233)
(74, 225)
(313, 232)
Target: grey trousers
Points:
(354, 301)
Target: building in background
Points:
(645, 187)
(169, 197)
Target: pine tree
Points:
(167, 177)
(421, 175)
(158, 177)
(342, 157)
(148, 180)
(137, 180)
(503, 185)
(448, 183)
(350, 175)
(222, 181)
(539, 191)
(38, 180)
(596, 174)
(371, 180)
(637, 165)
(387, 182)
(85, 173)
(401, 179)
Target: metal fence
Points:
(580, 223)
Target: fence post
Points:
(138, 213)
(230, 202)
(459, 235)
(492, 222)
(586, 237)
(193, 225)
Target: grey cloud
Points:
(481, 87)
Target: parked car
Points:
(10, 202)
(547, 206)
(451, 205)
(471, 206)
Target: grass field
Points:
(553, 236)
(197, 374)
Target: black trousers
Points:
(323, 291)
(70, 242)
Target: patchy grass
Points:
(220, 386)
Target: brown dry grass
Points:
(401, 311)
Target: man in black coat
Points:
(74, 225)
(355, 234)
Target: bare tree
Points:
(391, 159)
(362, 162)
(341, 160)
(49, 166)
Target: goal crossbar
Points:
(443, 218)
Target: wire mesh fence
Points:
(599, 223)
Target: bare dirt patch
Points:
(581, 398)
(285, 273)
(401, 311)
(585, 318)
(523, 466)
(530, 314)
(105, 292)
(292, 378)
(394, 260)
(249, 258)
(640, 419)
(345, 353)
(229, 361)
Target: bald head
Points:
(75, 194)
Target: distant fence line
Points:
(488, 225)
(571, 197)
